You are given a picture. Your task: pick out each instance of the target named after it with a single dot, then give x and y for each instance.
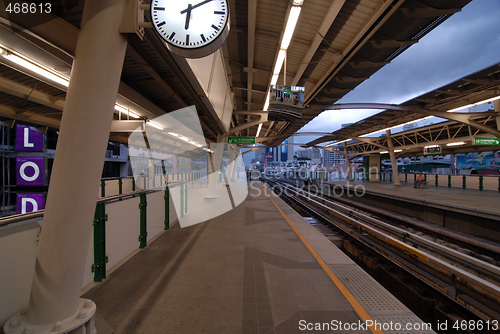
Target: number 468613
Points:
(29, 8)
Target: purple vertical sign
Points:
(30, 171)
(29, 203)
(28, 139)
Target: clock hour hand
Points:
(188, 16)
(195, 6)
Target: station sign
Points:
(435, 149)
(28, 139)
(30, 171)
(29, 203)
(241, 140)
(486, 141)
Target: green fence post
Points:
(481, 179)
(464, 182)
(437, 180)
(186, 198)
(103, 188)
(143, 231)
(449, 181)
(120, 187)
(425, 178)
(406, 178)
(100, 258)
(182, 200)
(390, 178)
(167, 208)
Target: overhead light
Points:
(279, 61)
(338, 142)
(155, 125)
(397, 151)
(298, 2)
(258, 130)
(126, 111)
(34, 66)
(184, 138)
(266, 104)
(290, 26)
(475, 104)
(431, 146)
(384, 152)
(456, 143)
(274, 80)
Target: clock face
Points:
(189, 24)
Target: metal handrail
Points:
(37, 214)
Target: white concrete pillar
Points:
(215, 167)
(79, 158)
(235, 165)
(394, 164)
(348, 162)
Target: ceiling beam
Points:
(328, 19)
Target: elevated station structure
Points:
(95, 71)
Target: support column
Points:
(235, 165)
(394, 164)
(348, 162)
(213, 177)
(79, 159)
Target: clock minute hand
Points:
(188, 16)
(196, 6)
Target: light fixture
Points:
(456, 143)
(384, 152)
(274, 80)
(397, 151)
(33, 66)
(293, 17)
(184, 138)
(266, 104)
(431, 146)
(475, 104)
(279, 62)
(126, 111)
(338, 142)
(290, 26)
(258, 130)
(155, 125)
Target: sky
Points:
(465, 43)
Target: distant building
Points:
(333, 158)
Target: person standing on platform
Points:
(420, 180)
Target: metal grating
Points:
(374, 298)
(330, 253)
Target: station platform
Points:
(469, 201)
(259, 268)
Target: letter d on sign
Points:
(29, 202)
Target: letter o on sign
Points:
(23, 174)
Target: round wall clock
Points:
(191, 28)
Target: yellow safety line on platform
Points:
(345, 292)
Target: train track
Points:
(459, 274)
